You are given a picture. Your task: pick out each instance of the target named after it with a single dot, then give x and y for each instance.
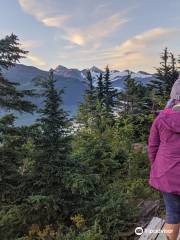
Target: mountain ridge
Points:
(72, 80)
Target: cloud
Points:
(146, 39)
(102, 8)
(36, 60)
(142, 50)
(94, 33)
(88, 37)
(75, 38)
(106, 26)
(90, 33)
(44, 12)
(30, 44)
(56, 21)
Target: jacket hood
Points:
(170, 119)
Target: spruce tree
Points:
(166, 75)
(90, 94)
(52, 148)
(101, 116)
(54, 123)
(10, 96)
(109, 93)
(100, 88)
(9, 160)
(174, 69)
(87, 110)
(12, 139)
(11, 180)
(53, 119)
(131, 99)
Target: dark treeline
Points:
(63, 182)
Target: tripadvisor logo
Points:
(139, 231)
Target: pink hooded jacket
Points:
(164, 151)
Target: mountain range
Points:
(73, 81)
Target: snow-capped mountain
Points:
(116, 76)
(68, 72)
(73, 81)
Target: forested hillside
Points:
(61, 182)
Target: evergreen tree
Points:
(100, 88)
(87, 110)
(53, 119)
(10, 96)
(90, 95)
(97, 110)
(101, 116)
(166, 75)
(133, 97)
(52, 148)
(54, 123)
(174, 70)
(12, 139)
(109, 93)
(9, 159)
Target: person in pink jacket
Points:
(164, 156)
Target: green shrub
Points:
(115, 211)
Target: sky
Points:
(124, 34)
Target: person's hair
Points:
(171, 103)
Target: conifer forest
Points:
(80, 177)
